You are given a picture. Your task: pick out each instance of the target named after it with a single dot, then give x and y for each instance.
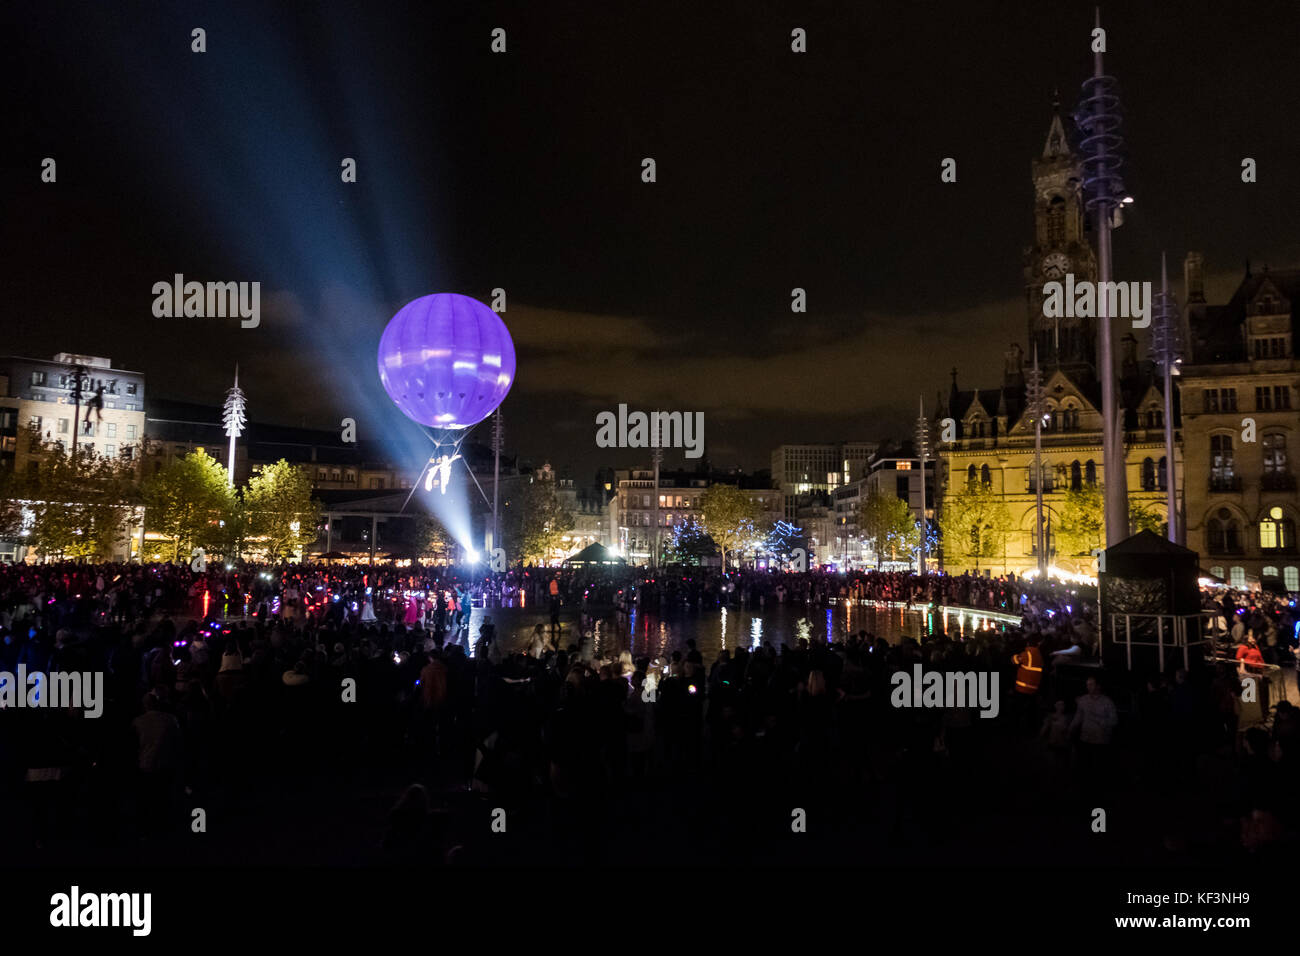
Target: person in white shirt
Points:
(1095, 719)
(1095, 716)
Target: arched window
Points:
(1237, 577)
(986, 479)
(1217, 571)
(1148, 474)
(1291, 578)
(1269, 572)
(1223, 533)
(1056, 222)
(970, 476)
(1090, 472)
(1162, 474)
(1076, 476)
(1276, 531)
(1274, 447)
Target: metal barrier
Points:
(1174, 631)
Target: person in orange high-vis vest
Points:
(1029, 673)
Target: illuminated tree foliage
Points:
(188, 500)
(975, 524)
(690, 544)
(887, 522)
(282, 514)
(729, 517)
(1083, 521)
(80, 505)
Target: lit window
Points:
(1276, 531)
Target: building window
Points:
(1210, 400)
(986, 478)
(88, 429)
(1090, 473)
(1263, 399)
(1291, 578)
(970, 472)
(1237, 577)
(1274, 454)
(1056, 222)
(1222, 466)
(1282, 397)
(130, 431)
(38, 378)
(351, 477)
(1223, 533)
(1148, 474)
(1076, 476)
(110, 450)
(63, 426)
(111, 430)
(1276, 531)
(1162, 474)
(1217, 571)
(1269, 572)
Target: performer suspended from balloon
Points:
(443, 467)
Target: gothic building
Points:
(994, 445)
(1239, 385)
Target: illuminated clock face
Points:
(1056, 265)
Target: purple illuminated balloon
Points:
(446, 360)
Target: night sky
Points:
(775, 170)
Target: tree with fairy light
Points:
(690, 544)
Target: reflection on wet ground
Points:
(651, 634)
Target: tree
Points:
(729, 517)
(1082, 526)
(80, 504)
(423, 536)
(975, 523)
(282, 514)
(11, 505)
(690, 544)
(887, 522)
(190, 502)
(1142, 518)
(536, 521)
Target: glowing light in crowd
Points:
(1061, 574)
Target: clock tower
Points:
(1060, 246)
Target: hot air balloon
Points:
(446, 360)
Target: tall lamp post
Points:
(1098, 118)
(1036, 406)
(1167, 352)
(923, 452)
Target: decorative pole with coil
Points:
(1167, 353)
(1098, 119)
(1035, 403)
(232, 416)
(923, 452)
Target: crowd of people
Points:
(221, 680)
